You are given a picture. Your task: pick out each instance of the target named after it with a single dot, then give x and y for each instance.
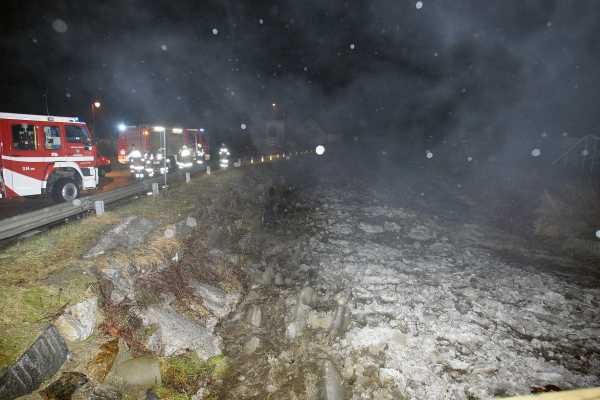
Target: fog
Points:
(459, 77)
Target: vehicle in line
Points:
(162, 149)
(44, 155)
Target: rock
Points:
(79, 320)
(333, 389)
(170, 232)
(339, 321)
(201, 394)
(42, 360)
(251, 345)
(215, 300)
(267, 276)
(130, 233)
(372, 229)
(139, 372)
(279, 279)
(298, 324)
(64, 387)
(342, 298)
(307, 296)
(390, 226)
(102, 363)
(255, 316)
(99, 392)
(421, 233)
(122, 280)
(177, 334)
(191, 222)
(319, 320)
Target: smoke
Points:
(483, 78)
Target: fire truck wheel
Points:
(65, 190)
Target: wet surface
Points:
(10, 208)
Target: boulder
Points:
(177, 334)
(78, 321)
(139, 372)
(214, 299)
(130, 233)
(65, 386)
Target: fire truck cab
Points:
(45, 155)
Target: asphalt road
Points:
(10, 208)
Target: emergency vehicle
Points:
(149, 141)
(45, 155)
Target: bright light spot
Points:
(215, 31)
(185, 153)
(177, 130)
(352, 46)
(419, 5)
(261, 21)
(34, 40)
(164, 47)
(68, 95)
(97, 104)
(274, 105)
(243, 126)
(60, 26)
(158, 129)
(469, 159)
(320, 150)
(435, 54)
(122, 127)
(598, 233)
(536, 152)
(429, 154)
(122, 152)
(585, 152)
(565, 134)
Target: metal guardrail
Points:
(20, 224)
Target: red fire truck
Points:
(45, 155)
(150, 139)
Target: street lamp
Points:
(95, 106)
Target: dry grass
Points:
(570, 213)
(40, 275)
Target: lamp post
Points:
(95, 106)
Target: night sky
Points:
(487, 71)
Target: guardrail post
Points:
(99, 206)
(155, 189)
(188, 178)
(208, 170)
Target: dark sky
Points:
(451, 69)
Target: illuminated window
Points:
(52, 137)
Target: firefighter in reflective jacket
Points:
(185, 158)
(224, 156)
(199, 154)
(136, 163)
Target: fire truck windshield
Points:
(77, 134)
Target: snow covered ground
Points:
(380, 302)
(435, 315)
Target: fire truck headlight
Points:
(122, 127)
(320, 150)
